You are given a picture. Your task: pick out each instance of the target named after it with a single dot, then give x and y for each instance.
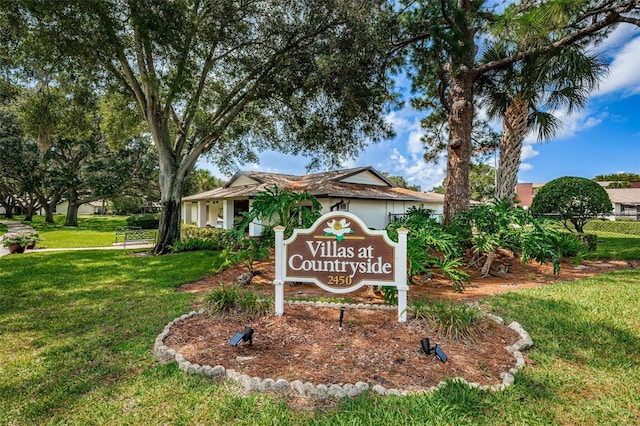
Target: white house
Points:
(362, 191)
(626, 202)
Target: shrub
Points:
(456, 321)
(573, 200)
(144, 221)
(429, 247)
(235, 300)
(24, 238)
(195, 244)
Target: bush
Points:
(429, 247)
(144, 221)
(451, 320)
(24, 238)
(235, 300)
(195, 244)
(573, 200)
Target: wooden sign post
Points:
(340, 255)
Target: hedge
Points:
(144, 221)
(616, 227)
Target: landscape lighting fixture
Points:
(427, 348)
(240, 336)
(342, 309)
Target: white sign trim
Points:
(399, 256)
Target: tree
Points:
(481, 182)
(201, 180)
(229, 78)
(618, 180)
(525, 94)
(572, 199)
(441, 41)
(401, 182)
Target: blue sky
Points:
(602, 138)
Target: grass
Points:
(3, 229)
(616, 246)
(77, 331)
(92, 231)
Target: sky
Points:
(602, 138)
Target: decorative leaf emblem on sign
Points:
(338, 228)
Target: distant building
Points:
(525, 193)
(626, 201)
(362, 191)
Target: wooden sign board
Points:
(340, 255)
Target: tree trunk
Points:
(456, 189)
(8, 205)
(172, 180)
(514, 129)
(72, 213)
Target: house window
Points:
(340, 206)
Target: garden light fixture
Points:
(240, 336)
(427, 348)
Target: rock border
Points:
(167, 355)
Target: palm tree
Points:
(525, 94)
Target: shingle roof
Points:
(629, 196)
(322, 185)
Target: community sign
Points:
(340, 254)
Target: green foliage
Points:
(145, 221)
(282, 207)
(236, 300)
(616, 226)
(401, 182)
(194, 231)
(245, 250)
(573, 200)
(618, 180)
(456, 321)
(201, 180)
(126, 204)
(195, 244)
(430, 247)
(499, 225)
(24, 238)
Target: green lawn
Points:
(92, 231)
(3, 229)
(77, 331)
(616, 246)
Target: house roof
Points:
(360, 182)
(629, 196)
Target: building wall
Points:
(524, 194)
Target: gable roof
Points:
(630, 196)
(359, 182)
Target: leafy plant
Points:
(457, 321)
(429, 247)
(236, 300)
(282, 207)
(194, 244)
(23, 238)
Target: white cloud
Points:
(528, 152)
(623, 76)
(572, 124)
(615, 40)
(525, 167)
(414, 144)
